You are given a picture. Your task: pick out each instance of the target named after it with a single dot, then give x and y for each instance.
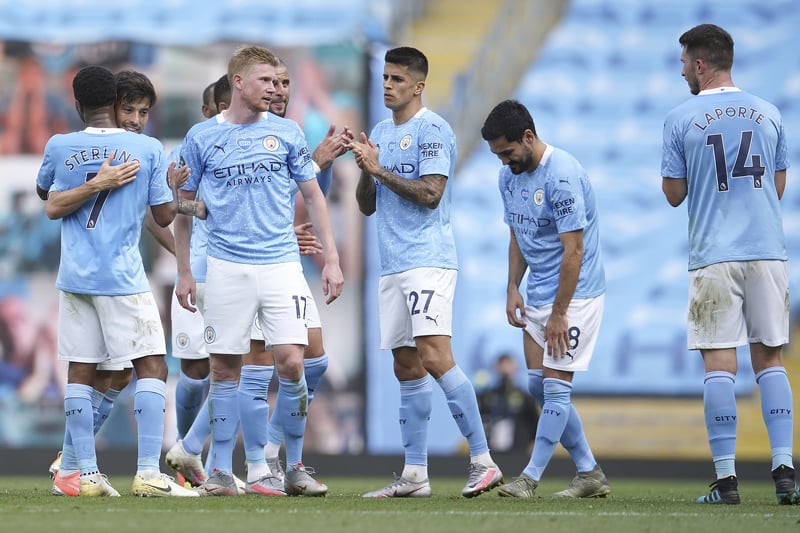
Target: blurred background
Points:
(598, 76)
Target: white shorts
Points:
(276, 294)
(738, 302)
(584, 318)
(187, 328)
(312, 319)
(114, 367)
(112, 330)
(415, 303)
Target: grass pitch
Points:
(635, 505)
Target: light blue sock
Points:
(223, 409)
(104, 409)
(573, 439)
(294, 412)
(97, 399)
(198, 433)
(275, 429)
(80, 424)
(415, 417)
(719, 406)
(314, 369)
(189, 395)
(776, 408)
(552, 421)
(148, 409)
(68, 459)
(463, 406)
(254, 411)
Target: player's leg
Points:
(590, 481)
(231, 300)
(80, 342)
(416, 391)
(767, 319)
(717, 340)
(584, 317)
(118, 314)
(429, 296)
(315, 362)
(188, 345)
(257, 372)
(286, 328)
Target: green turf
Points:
(26, 505)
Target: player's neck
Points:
(717, 80)
(102, 117)
(407, 112)
(241, 113)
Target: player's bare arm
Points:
(515, 305)
(185, 286)
(332, 278)
(556, 331)
(176, 178)
(426, 191)
(675, 190)
(163, 236)
(365, 193)
(780, 182)
(63, 203)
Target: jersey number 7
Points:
(97, 207)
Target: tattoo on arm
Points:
(187, 207)
(426, 191)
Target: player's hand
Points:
(332, 281)
(366, 154)
(307, 239)
(113, 176)
(515, 309)
(186, 291)
(331, 147)
(177, 176)
(556, 335)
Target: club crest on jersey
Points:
(538, 197)
(270, 143)
(210, 334)
(405, 142)
(182, 340)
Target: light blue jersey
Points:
(199, 240)
(411, 235)
(248, 174)
(555, 198)
(728, 144)
(100, 241)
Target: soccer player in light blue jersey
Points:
(315, 360)
(248, 167)
(724, 151)
(107, 312)
(550, 209)
(188, 343)
(406, 165)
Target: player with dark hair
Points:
(406, 164)
(107, 312)
(725, 151)
(550, 209)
